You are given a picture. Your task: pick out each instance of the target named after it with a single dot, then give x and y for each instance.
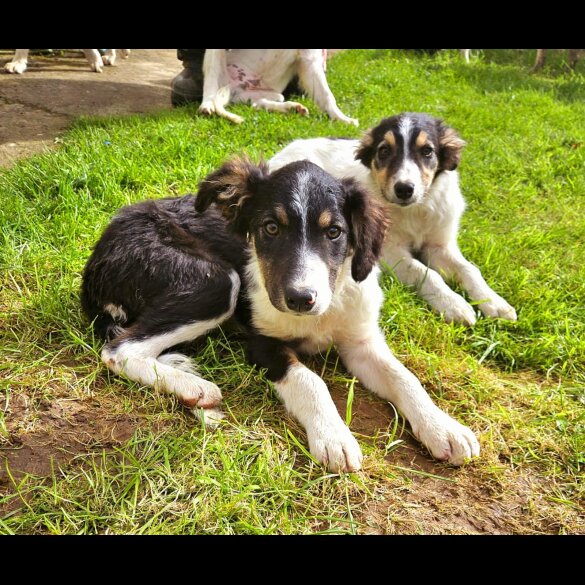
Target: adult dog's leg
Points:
(465, 54)
(136, 352)
(18, 63)
(307, 398)
(109, 57)
(539, 62)
(216, 89)
(451, 262)
(314, 82)
(430, 286)
(95, 59)
(271, 101)
(376, 367)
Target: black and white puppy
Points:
(292, 256)
(409, 161)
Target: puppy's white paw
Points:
(15, 67)
(498, 307)
(335, 447)
(455, 309)
(346, 119)
(125, 53)
(447, 439)
(211, 417)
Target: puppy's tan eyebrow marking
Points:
(281, 215)
(325, 219)
(390, 138)
(421, 139)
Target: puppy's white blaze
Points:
(409, 172)
(405, 128)
(314, 275)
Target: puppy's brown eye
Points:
(383, 151)
(333, 232)
(271, 228)
(427, 151)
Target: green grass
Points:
(519, 385)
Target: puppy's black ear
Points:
(450, 149)
(231, 187)
(368, 220)
(365, 152)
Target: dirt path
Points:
(38, 106)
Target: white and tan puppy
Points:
(410, 162)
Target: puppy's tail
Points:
(108, 324)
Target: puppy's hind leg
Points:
(136, 352)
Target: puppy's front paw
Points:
(498, 307)
(455, 309)
(15, 67)
(447, 439)
(335, 447)
(346, 119)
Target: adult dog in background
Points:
(293, 256)
(96, 61)
(260, 76)
(409, 161)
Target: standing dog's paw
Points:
(335, 447)
(447, 439)
(498, 307)
(97, 65)
(109, 59)
(15, 67)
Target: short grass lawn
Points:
(82, 451)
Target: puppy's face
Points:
(405, 153)
(302, 224)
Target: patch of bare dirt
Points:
(44, 438)
(463, 500)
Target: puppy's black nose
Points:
(404, 191)
(300, 300)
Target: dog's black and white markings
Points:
(292, 256)
(260, 76)
(409, 161)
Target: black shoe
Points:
(187, 86)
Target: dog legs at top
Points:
(18, 63)
(95, 59)
(372, 362)
(450, 261)
(313, 80)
